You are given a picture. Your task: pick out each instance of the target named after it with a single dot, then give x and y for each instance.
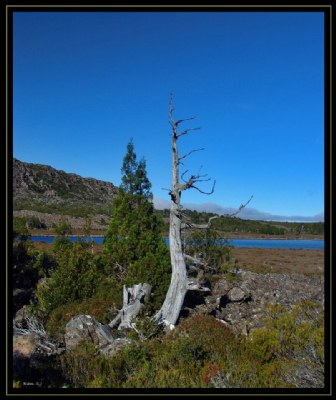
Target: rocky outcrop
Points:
(241, 301)
(36, 184)
(86, 327)
(108, 341)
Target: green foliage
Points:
(229, 224)
(300, 329)
(81, 365)
(313, 228)
(292, 342)
(134, 179)
(203, 353)
(257, 268)
(208, 333)
(79, 284)
(102, 305)
(206, 245)
(29, 223)
(63, 228)
(75, 208)
(84, 368)
(20, 230)
(87, 228)
(29, 265)
(75, 278)
(61, 243)
(134, 356)
(226, 224)
(146, 327)
(44, 263)
(133, 244)
(21, 256)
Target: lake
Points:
(278, 243)
(244, 243)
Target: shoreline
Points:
(224, 238)
(232, 236)
(261, 260)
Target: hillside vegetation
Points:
(235, 225)
(42, 195)
(45, 189)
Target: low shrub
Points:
(203, 353)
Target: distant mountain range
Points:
(43, 188)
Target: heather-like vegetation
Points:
(204, 353)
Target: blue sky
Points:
(86, 82)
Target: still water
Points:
(244, 243)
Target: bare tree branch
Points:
(32, 326)
(171, 110)
(199, 171)
(182, 176)
(188, 154)
(195, 178)
(193, 268)
(192, 180)
(185, 119)
(199, 226)
(186, 130)
(201, 191)
(239, 209)
(174, 123)
(193, 259)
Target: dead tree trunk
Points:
(180, 283)
(133, 301)
(172, 305)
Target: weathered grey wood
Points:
(199, 226)
(172, 305)
(133, 301)
(193, 259)
(179, 284)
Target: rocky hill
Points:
(45, 189)
(49, 194)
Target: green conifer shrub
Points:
(133, 243)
